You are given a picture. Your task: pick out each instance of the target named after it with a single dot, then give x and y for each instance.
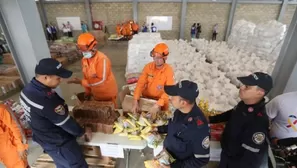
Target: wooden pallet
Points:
(45, 161)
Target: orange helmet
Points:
(161, 50)
(86, 42)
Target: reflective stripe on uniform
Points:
(255, 150)
(31, 102)
(64, 121)
(201, 156)
(103, 75)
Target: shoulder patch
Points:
(60, 110)
(205, 142)
(258, 138)
(199, 122)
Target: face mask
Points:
(87, 54)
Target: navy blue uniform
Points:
(244, 138)
(187, 139)
(52, 126)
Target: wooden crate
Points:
(92, 151)
(45, 161)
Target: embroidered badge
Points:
(60, 110)
(159, 87)
(205, 142)
(250, 109)
(200, 122)
(258, 138)
(190, 119)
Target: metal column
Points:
(231, 18)
(282, 10)
(20, 21)
(183, 19)
(89, 14)
(135, 10)
(284, 73)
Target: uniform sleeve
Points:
(142, 81)
(85, 84)
(10, 121)
(272, 108)
(253, 144)
(103, 68)
(221, 118)
(169, 81)
(59, 115)
(200, 145)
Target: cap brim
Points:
(64, 73)
(247, 80)
(171, 90)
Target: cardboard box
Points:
(93, 151)
(144, 104)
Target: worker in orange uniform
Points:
(135, 28)
(153, 78)
(99, 81)
(13, 147)
(119, 30)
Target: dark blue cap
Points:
(260, 79)
(50, 66)
(185, 89)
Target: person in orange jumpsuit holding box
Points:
(153, 78)
(99, 81)
(13, 147)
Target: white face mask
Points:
(87, 54)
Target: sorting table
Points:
(100, 139)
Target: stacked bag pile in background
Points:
(264, 39)
(20, 116)
(214, 86)
(65, 51)
(7, 66)
(233, 61)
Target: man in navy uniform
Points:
(187, 137)
(53, 128)
(244, 138)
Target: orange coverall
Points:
(151, 84)
(128, 29)
(11, 140)
(135, 27)
(99, 80)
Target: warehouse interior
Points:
(24, 37)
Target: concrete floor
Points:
(117, 52)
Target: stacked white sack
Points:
(212, 83)
(139, 51)
(267, 39)
(240, 34)
(234, 62)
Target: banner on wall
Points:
(74, 21)
(161, 22)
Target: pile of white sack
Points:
(267, 39)
(213, 84)
(234, 62)
(264, 39)
(241, 32)
(139, 51)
